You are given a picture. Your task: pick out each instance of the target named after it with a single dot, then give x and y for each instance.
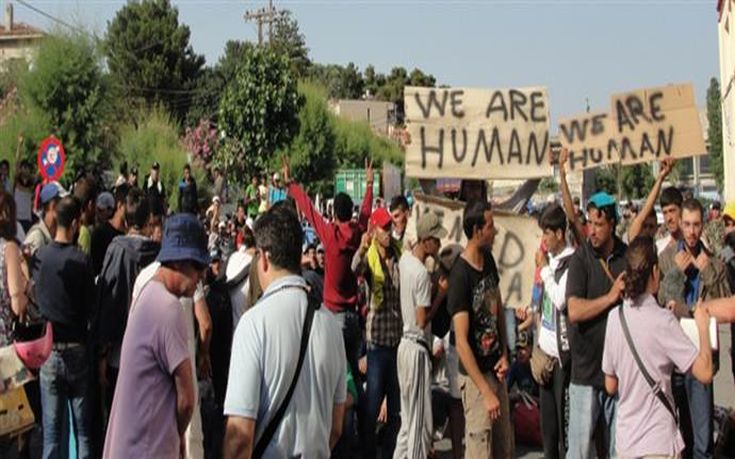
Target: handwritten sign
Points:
(515, 244)
(51, 158)
(651, 124)
(477, 133)
(588, 138)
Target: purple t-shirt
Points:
(143, 418)
(643, 424)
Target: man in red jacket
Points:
(341, 240)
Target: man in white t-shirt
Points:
(265, 353)
(414, 355)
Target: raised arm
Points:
(566, 198)
(303, 202)
(702, 368)
(367, 200)
(637, 224)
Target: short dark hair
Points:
(553, 218)
(8, 227)
(640, 258)
(248, 238)
(121, 193)
(5, 163)
(398, 202)
(474, 216)
(85, 191)
(279, 233)
(137, 209)
(671, 196)
(610, 212)
(187, 167)
(67, 210)
(343, 207)
(693, 205)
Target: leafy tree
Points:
(66, 84)
(637, 180)
(392, 89)
(341, 82)
(288, 40)
(312, 151)
(606, 179)
(714, 132)
(212, 82)
(258, 113)
(149, 55)
(419, 78)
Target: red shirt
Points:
(341, 241)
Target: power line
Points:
(53, 18)
(262, 16)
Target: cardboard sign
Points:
(651, 124)
(477, 133)
(514, 248)
(51, 159)
(589, 140)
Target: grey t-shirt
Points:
(415, 292)
(265, 352)
(143, 418)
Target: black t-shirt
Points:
(478, 293)
(65, 291)
(587, 279)
(101, 237)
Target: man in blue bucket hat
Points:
(155, 353)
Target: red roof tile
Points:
(20, 29)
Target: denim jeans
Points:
(382, 382)
(349, 321)
(64, 382)
(700, 406)
(586, 405)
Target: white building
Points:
(17, 40)
(727, 84)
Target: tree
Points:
(606, 179)
(714, 132)
(392, 89)
(312, 151)
(149, 55)
(288, 40)
(341, 82)
(66, 84)
(637, 180)
(258, 113)
(419, 78)
(213, 80)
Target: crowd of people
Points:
(280, 331)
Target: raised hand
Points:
(667, 165)
(369, 175)
(286, 170)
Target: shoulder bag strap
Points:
(272, 426)
(656, 387)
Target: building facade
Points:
(17, 40)
(726, 32)
(381, 116)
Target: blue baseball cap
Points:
(184, 239)
(52, 191)
(602, 199)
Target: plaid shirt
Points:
(385, 325)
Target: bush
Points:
(155, 138)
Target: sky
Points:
(580, 50)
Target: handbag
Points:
(275, 421)
(656, 387)
(542, 365)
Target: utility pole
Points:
(268, 15)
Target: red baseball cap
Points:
(381, 218)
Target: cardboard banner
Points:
(477, 133)
(651, 124)
(514, 248)
(589, 140)
(646, 125)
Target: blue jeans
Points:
(586, 405)
(701, 405)
(382, 382)
(63, 382)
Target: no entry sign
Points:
(51, 158)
